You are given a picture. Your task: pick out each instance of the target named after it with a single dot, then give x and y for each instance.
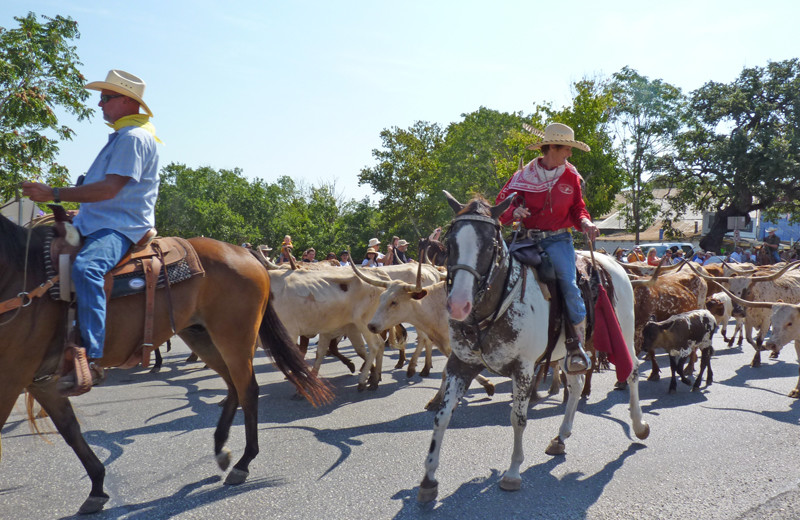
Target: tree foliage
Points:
(38, 73)
(646, 117)
(740, 150)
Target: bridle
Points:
(486, 280)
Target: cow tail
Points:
(286, 356)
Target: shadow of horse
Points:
(189, 497)
(542, 496)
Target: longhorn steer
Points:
(785, 319)
(721, 306)
(680, 335)
(425, 309)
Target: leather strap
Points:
(24, 299)
(152, 268)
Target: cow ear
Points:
(419, 294)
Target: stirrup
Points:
(577, 361)
(82, 376)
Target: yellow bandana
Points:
(140, 120)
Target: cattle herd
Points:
(677, 310)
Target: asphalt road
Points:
(728, 452)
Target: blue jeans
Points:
(101, 251)
(562, 254)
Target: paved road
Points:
(728, 452)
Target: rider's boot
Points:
(577, 361)
(81, 373)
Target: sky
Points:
(304, 88)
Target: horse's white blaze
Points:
(460, 300)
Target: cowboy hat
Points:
(772, 229)
(123, 83)
(373, 242)
(557, 133)
(402, 243)
(371, 250)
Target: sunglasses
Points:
(105, 98)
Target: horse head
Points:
(475, 250)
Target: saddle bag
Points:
(529, 252)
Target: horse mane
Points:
(13, 239)
(478, 205)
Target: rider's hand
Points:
(590, 229)
(521, 213)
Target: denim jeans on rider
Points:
(102, 250)
(562, 254)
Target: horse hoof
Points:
(645, 432)
(510, 484)
(236, 477)
(224, 459)
(93, 505)
(426, 495)
(556, 447)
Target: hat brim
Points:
(574, 144)
(102, 85)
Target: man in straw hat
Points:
(549, 203)
(118, 200)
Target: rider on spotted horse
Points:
(549, 203)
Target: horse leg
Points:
(459, 376)
(521, 391)
(61, 413)
(237, 371)
(640, 427)
(574, 383)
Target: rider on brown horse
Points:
(118, 199)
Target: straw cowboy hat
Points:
(123, 83)
(402, 243)
(373, 242)
(557, 133)
(772, 230)
(371, 250)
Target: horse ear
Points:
(454, 204)
(503, 206)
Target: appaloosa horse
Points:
(219, 315)
(500, 322)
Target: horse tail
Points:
(33, 422)
(275, 339)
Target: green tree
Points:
(646, 119)
(740, 150)
(405, 174)
(38, 73)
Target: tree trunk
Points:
(713, 240)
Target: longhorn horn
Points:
(266, 262)
(651, 281)
(768, 278)
(367, 279)
(746, 303)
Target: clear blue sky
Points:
(304, 88)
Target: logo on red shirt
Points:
(566, 189)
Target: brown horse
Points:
(219, 315)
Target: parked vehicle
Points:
(661, 247)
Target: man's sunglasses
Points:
(105, 98)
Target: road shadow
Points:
(569, 496)
(189, 497)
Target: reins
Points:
(25, 298)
